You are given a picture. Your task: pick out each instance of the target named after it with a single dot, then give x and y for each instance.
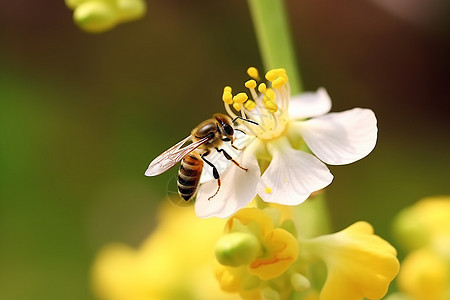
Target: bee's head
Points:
(225, 124)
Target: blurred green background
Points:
(82, 115)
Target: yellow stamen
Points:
(270, 94)
(268, 190)
(253, 73)
(262, 87)
(250, 104)
(271, 106)
(227, 89)
(250, 84)
(227, 97)
(274, 73)
(240, 98)
(237, 106)
(279, 82)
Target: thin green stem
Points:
(277, 51)
(274, 38)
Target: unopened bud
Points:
(237, 248)
(129, 10)
(95, 16)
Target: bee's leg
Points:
(228, 156)
(215, 172)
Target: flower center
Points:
(266, 115)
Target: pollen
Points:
(268, 190)
(253, 73)
(227, 89)
(262, 87)
(240, 98)
(275, 73)
(250, 84)
(279, 82)
(236, 106)
(227, 97)
(270, 94)
(271, 106)
(250, 104)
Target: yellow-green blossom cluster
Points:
(261, 257)
(424, 230)
(101, 15)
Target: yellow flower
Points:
(175, 262)
(254, 252)
(426, 223)
(425, 228)
(101, 15)
(425, 275)
(359, 263)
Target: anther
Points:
(227, 97)
(237, 106)
(271, 106)
(274, 73)
(253, 73)
(270, 94)
(249, 104)
(262, 87)
(279, 82)
(250, 84)
(240, 98)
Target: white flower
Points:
(286, 127)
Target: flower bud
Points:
(237, 248)
(95, 16)
(130, 9)
(299, 282)
(73, 3)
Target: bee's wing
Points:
(172, 156)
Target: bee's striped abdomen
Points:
(189, 175)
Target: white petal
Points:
(340, 138)
(237, 190)
(292, 176)
(309, 104)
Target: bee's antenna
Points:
(246, 120)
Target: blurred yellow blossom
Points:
(426, 222)
(424, 229)
(425, 275)
(96, 16)
(359, 264)
(175, 262)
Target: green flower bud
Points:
(73, 3)
(237, 248)
(299, 282)
(130, 9)
(411, 233)
(95, 16)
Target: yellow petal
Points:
(424, 275)
(359, 263)
(281, 251)
(422, 223)
(261, 221)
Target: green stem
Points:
(274, 38)
(277, 51)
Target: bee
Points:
(208, 135)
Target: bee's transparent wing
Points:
(172, 156)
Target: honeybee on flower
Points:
(280, 128)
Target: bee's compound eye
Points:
(228, 129)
